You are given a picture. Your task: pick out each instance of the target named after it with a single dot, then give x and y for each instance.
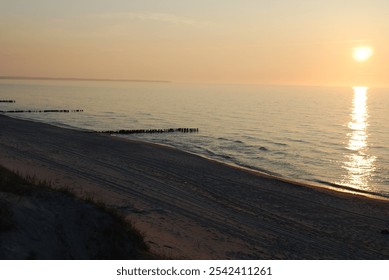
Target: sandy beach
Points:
(189, 207)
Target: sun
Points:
(361, 54)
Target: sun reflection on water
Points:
(358, 163)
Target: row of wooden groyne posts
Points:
(121, 131)
(36, 111)
(42, 111)
(150, 131)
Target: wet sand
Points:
(189, 207)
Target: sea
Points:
(335, 137)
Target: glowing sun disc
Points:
(362, 53)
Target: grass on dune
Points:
(120, 230)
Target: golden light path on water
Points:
(358, 163)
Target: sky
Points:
(307, 42)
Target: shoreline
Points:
(191, 207)
(326, 186)
(304, 183)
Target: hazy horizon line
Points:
(81, 79)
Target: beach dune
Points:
(190, 207)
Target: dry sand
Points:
(193, 208)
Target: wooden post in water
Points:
(7, 101)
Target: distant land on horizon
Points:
(165, 81)
(80, 79)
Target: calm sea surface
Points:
(331, 136)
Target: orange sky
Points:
(271, 42)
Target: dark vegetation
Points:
(107, 236)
